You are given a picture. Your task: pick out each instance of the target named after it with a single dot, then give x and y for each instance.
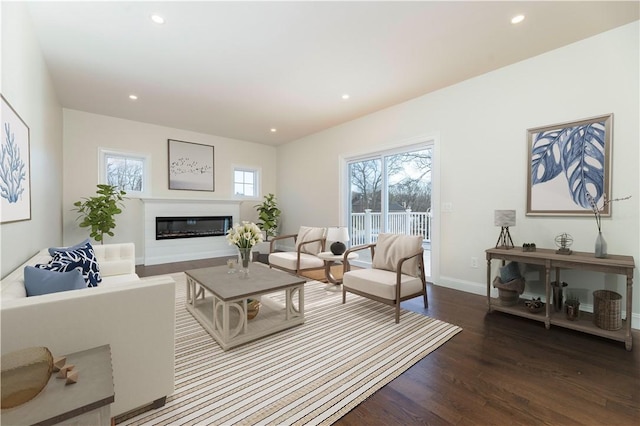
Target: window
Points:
(128, 172)
(245, 182)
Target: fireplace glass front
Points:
(192, 226)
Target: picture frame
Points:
(191, 166)
(569, 163)
(15, 167)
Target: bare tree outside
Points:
(366, 185)
(409, 182)
(125, 173)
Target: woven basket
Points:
(253, 307)
(507, 297)
(606, 309)
(508, 293)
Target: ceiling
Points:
(239, 69)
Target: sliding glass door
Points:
(390, 192)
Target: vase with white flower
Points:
(244, 236)
(601, 243)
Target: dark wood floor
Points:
(500, 370)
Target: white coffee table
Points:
(218, 301)
(329, 260)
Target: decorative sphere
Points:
(338, 248)
(564, 240)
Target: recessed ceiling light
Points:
(273, 130)
(345, 97)
(157, 19)
(517, 19)
(133, 97)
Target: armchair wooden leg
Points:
(398, 313)
(424, 288)
(344, 295)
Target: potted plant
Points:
(572, 307)
(268, 215)
(99, 212)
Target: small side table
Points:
(86, 402)
(329, 260)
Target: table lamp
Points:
(504, 219)
(339, 235)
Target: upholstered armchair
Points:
(309, 241)
(396, 273)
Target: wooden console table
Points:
(612, 264)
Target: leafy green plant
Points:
(268, 215)
(99, 212)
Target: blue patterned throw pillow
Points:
(82, 258)
(53, 250)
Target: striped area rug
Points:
(311, 374)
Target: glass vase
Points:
(601, 246)
(244, 259)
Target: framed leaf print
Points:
(567, 161)
(15, 169)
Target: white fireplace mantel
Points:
(149, 200)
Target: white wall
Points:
(85, 133)
(26, 84)
(481, 126)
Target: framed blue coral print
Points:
(15, 171)
(569, 162)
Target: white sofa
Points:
(135, 316)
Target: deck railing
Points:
(366, 226)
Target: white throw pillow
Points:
(306, 233)
(390, 248)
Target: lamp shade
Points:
(504, 218)
(338, 233)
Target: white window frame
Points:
(146, 173)
(256, 182)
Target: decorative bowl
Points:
(24, 374)
(534, 305)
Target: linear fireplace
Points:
(168, 228)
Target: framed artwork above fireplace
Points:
(191, 166)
